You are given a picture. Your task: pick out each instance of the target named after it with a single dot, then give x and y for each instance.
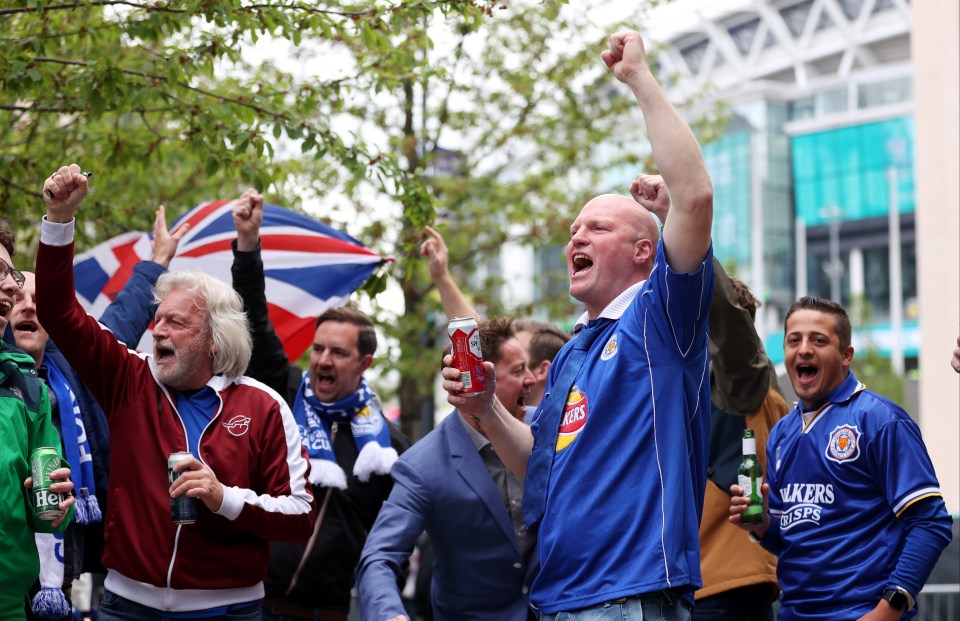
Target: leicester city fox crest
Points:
(610, 349)
(844, 444)
(366, 423)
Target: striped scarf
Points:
(370, 434)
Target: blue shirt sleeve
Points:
(685, 297)
(928, 527)
(129, 315)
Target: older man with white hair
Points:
(246, 465)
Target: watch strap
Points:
(899, 598)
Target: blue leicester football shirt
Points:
(627, 483)
(838, 485)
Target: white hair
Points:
(225, 319)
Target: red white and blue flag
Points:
(309, 267)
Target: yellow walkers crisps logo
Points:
(844, 444)
(574, 418)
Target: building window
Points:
(851, 8)
(802, 108)
(831, 102)
(884, 93)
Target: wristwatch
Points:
(899, 598)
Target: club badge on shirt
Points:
(844, 444)
(610, 349)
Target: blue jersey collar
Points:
(849, 387)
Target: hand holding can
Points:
(183, 509)
(464, 335)
(50, 495)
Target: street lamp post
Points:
(834, 267)
(896, 277)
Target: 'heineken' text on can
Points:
(43, 461)
(750, 478)
(183, 509)
(465, 347)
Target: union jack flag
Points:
(309, 267)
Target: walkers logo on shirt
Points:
(574, 418)
(807, 500)
(238, 425)
(844, 444)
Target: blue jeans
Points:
(116, 608)
(656, 606)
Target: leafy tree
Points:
(869, 364)
(158, 100)
(498, 116)
(514, 125)
(876, 371)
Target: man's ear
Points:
(541, 370)
(365, 362)
(846, 356)
(643, 251)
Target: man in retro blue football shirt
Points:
(855, 511)
(615, 461)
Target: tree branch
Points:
(78, 5)
(443, 114)
(58, 35)
(19, 188)
(206, 93)
(157, 8)
(73, 109)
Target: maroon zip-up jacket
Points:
(252, 445)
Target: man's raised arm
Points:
(454, 303)
(675, 151)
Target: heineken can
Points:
(183, 509)
(46, 503)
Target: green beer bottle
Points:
(750, 477)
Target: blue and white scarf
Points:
(76, 448)
(50, 602)
(370, 434)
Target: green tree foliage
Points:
(514, 124)
(876, 371)
(158, 100)
(498, 117)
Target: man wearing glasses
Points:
(24, 425)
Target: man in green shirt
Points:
(24, 425)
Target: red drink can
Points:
(465, 347)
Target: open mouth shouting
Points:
(581, 263)
(25, 326)
(806, 374)
(164, 351)
(5, 306)
(521, 402)
(323, 383)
